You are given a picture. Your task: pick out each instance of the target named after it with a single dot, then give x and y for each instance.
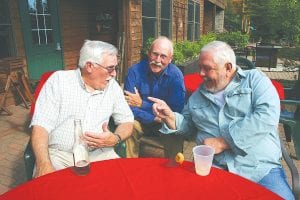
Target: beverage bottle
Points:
(80, 151)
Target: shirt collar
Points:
(83, 85)
(165, 72)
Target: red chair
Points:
(193, 81)
(38, 89)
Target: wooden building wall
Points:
(179, 20)
(74, 29)
(133, 31)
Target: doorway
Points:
(41, 32)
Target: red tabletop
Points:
(143, 178)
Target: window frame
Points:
(194, 22)
(158, 21)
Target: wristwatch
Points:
(118, 137)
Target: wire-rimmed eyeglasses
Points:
(109, 69)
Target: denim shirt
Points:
(168, 86)
(248, 122)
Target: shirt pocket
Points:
(239, 102)
(144, 90)
(202, 113)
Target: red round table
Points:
(143, 178)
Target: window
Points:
(156, 17)
(193, 27)
(41, 25)
(7, 45)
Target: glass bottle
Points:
(80, 151)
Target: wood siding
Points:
(74, 29)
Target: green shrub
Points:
(187, 50)
(234, 39)
(147, 47)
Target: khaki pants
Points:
(133, 142)
(62, 159)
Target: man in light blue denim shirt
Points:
(237, 113)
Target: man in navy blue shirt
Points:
(156, 77)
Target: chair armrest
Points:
(293, 169)
(290, 102)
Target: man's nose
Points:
(158, 59)
(113, 73)
(202, 71)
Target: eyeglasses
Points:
(206, 69)
(109, 69)
(155, 54)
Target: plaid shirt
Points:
(64, 98)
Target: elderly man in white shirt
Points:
(89, 93)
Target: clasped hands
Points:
(104, 139)
(164, 112)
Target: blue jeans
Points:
(276, 181)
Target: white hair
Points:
(92, 51)
(222, 53)
(165, 39)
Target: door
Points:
(41, 32)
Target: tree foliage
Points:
(275, 20)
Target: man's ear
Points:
(171, 58)
(89, 67)
(228, 66)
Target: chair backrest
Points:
(38, 89)
(244, 63)
(192, 82)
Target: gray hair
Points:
(222, 53)
(167, 40)
(92, 51)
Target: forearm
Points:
(143, 116)
(124, 130)
(170, 121)
(39, 140)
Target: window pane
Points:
(197, 12)
(43, 36)
(33, 22)
(191, 11)
(197, 31)
(190, 31)
(4, 16)
(149, 8)
(32, 6)
(48, 22)
(35, 37)
(166, 9)
(45, 6)
(149, 25)
(165, 28)
(49, 36)
(40, 19)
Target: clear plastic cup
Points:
(203, 157)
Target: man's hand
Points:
(218, 143)
(104, 139)
(133, 99)
(160, 108)
(157, 119)
(43, 170)
(163, 112)
(39, 141)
